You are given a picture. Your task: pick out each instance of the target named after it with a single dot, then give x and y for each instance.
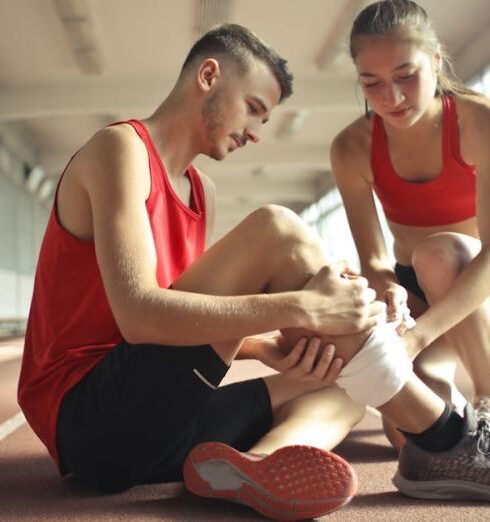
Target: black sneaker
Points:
(463, 472)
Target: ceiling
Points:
(68, 67)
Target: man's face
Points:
(236, 110)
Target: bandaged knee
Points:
(379, 370)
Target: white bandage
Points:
(379, 370)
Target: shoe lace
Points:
(483, 434)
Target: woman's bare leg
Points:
(438, 261)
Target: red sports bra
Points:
(446, 199)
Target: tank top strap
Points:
(197, 190)
(138, 127)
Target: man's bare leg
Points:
(446, 456)
(272, 250)
(435, 366)
(320, 418)
(414, 408)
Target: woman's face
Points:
(398, 78)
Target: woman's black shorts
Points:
(408, 279)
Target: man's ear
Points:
(208, 74)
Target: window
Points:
(481, 82)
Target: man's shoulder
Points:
(109, 150)
(113, 156)
(121, 135)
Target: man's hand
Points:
(339, 302)
(307, 360)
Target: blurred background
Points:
(69, 67)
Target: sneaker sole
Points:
(293, 483)
(442, 489)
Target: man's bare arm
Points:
(113, 170)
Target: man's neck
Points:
(172, 129)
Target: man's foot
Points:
(293, 483)
(482, 406)
(463, 472)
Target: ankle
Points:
(444, 434)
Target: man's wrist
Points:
(292, 308)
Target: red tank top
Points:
(71, 326)
(446, 199)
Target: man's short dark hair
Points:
(240, 44)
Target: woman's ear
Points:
(438, 60)
(208, 73)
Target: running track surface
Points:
(31, 490)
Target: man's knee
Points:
(282, 223)
(271, 216)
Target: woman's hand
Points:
(306, 360)
(395, 297)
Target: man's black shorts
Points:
(136, 415)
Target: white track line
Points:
(10, 425)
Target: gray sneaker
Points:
(463, 472)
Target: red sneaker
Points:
(293, 483)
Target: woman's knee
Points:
(439, 259)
